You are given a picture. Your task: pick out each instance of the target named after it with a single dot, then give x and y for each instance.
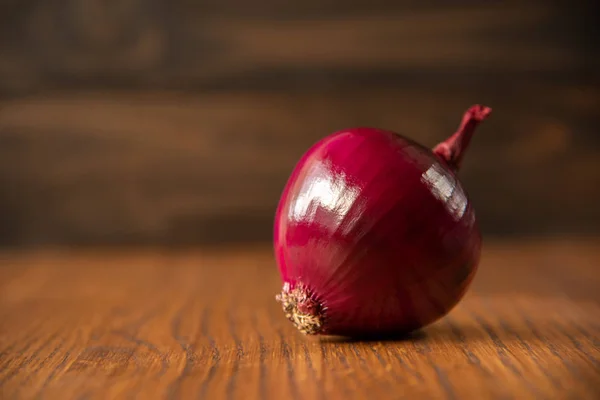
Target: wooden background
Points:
(177, 122)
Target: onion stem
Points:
(452, 150)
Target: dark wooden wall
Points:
(178, 122)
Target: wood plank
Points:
(169, 168)
(227, 45)
(204, 324)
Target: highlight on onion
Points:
(374, 233)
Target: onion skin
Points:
(374, 234)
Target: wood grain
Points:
(203, 324)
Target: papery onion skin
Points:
(374, 234)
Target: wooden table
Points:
(204, 325)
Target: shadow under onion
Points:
(414, 336)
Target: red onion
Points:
(374, 233)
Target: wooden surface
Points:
(204, 324)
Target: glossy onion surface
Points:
(374, 233)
